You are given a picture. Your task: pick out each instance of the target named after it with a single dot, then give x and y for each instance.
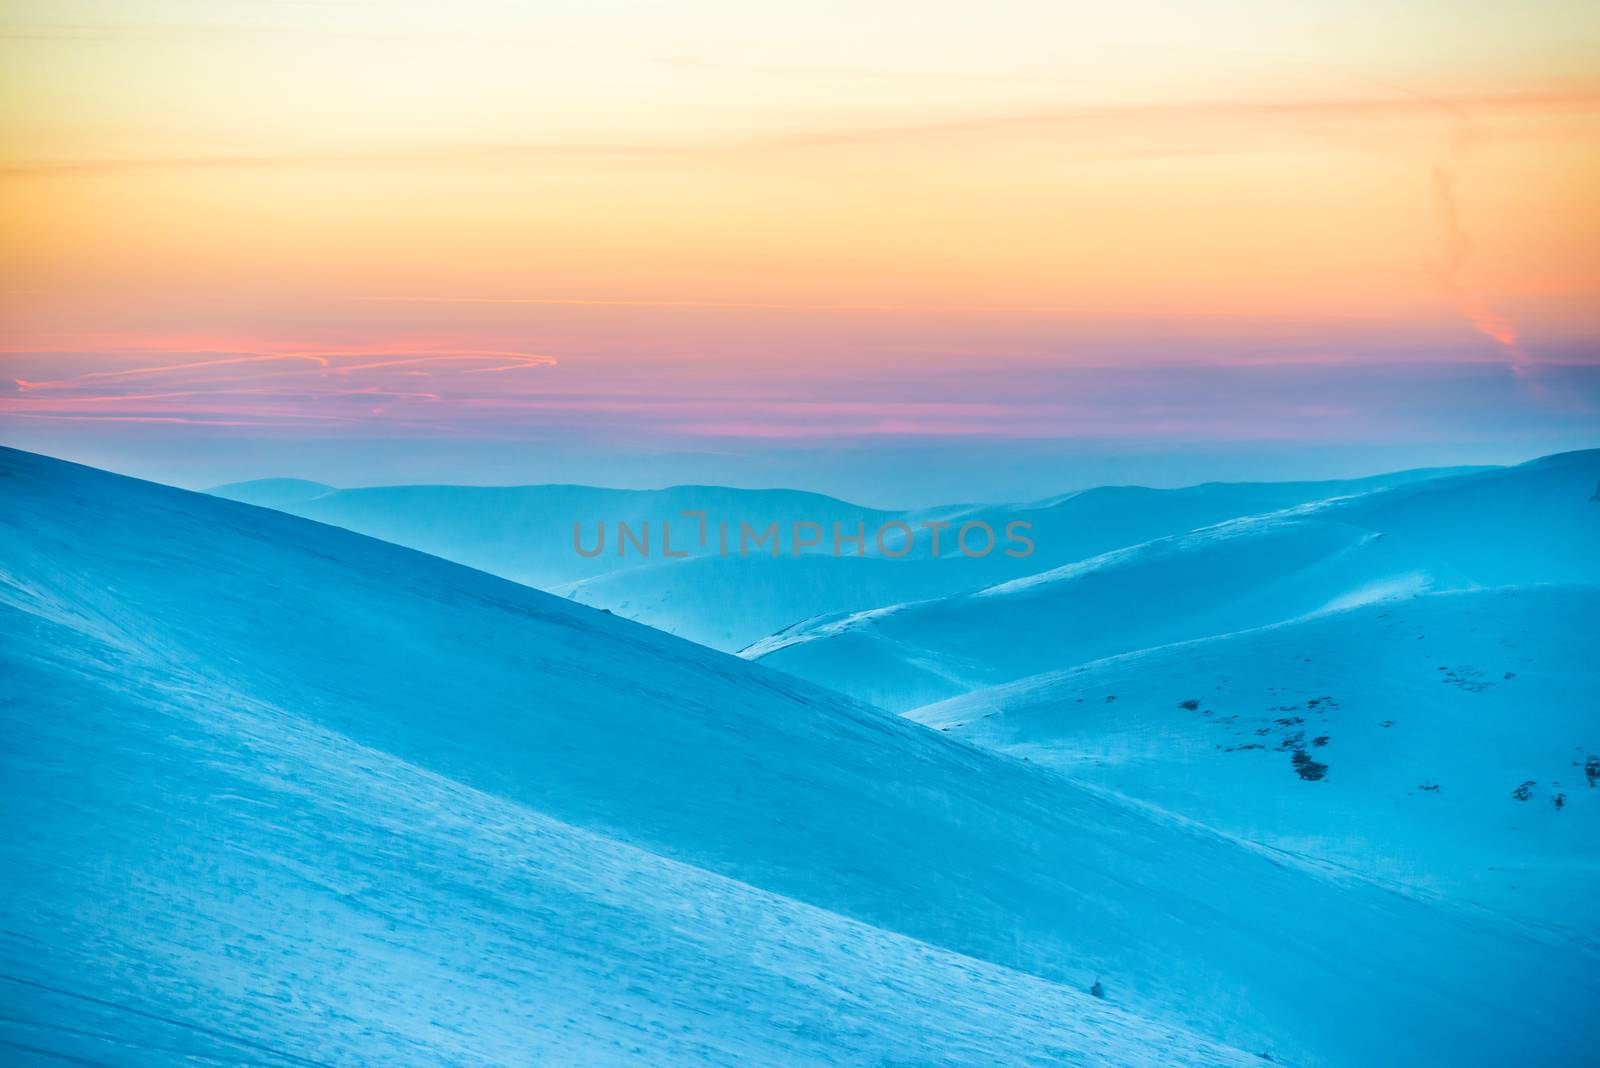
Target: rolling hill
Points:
(1535, 523)
(281, 793)
(524, 533)
(1447, 742)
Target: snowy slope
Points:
(1535, 522)
(1539, 522)
(1393, 738)
(525, 534)
(727, 603)
(239, 885)
(272, 784)
(284, 494)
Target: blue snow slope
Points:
(525, 533)
(1449, 742)
(1538, 522)
(276, 793)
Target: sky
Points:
(901, 251)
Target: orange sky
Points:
(729, 188)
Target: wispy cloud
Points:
(352, 385)
(1082, 121)
(1103, 311)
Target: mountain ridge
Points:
(1237, 574)
(729, 601)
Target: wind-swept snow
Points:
(274, 791)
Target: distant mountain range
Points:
(525, 533)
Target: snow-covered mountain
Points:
(280, 793)
(525, 533)
(1449, 742)
(1535, 523)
